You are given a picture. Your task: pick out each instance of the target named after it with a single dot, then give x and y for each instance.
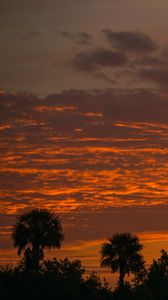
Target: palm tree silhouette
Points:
(121, 254)
(34, 231)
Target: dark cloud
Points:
(80, 38)
(70, 109)
(110, 220)
(116, 104)
(31, 35)
(103, 76)
(98, 58)
(133, 50)
(34, 33)
(150, 61)
(155, 75)
(65, 34)
(164, 53)
(84, 38)
(131, 41)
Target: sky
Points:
(84, 121)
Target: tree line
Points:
(36, 278)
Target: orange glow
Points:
(52, 108)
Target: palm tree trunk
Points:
(36, 257)
(121, 276)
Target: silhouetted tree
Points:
(94, 288)
(157, 278)
(121, 254)
(34, 231)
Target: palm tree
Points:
(121, 254)
(34, 231)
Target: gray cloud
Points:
(155, 75)
(31, 35)
(98, 58)
(131, 41)
(116, 104)
(84, 38)
(103, 76)
(65, 34)
(150, 61)
(131, 51)
(80, 38)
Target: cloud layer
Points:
(80, 150)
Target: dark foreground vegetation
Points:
(67, 280)
(62, 280)
(36, 278)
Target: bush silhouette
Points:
(56, 280)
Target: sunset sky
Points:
(84, 120)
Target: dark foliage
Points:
(56, 280)
(34, 278)
(157, 279)
(67, 280)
